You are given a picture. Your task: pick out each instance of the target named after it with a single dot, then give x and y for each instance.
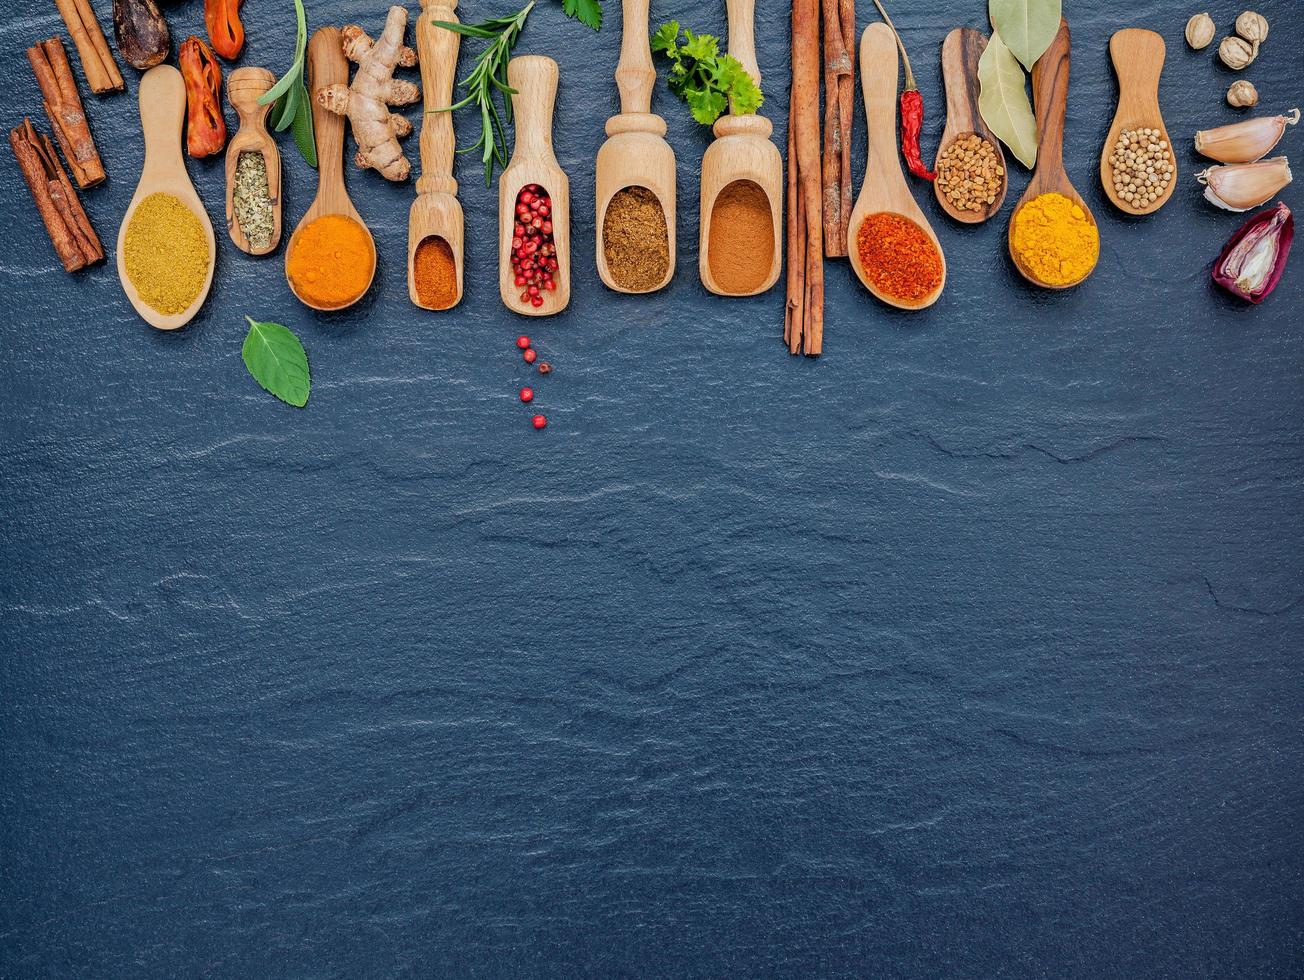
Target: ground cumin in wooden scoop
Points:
(635, 241)
(740, 249)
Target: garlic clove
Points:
(1241, 186)
(1245, 141)
(1253, 260)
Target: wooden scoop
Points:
(436, 213)
(1138, 58)
(742, 151)
(243, 90)
(1050, 92)
(533, 162)
(162, 109)
(326, 66)
(635, 152)
(885, 188)
(960, 53)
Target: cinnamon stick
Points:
(63, 105)
(101, 70)
(837, 64)
(847, 105)
(806, 108)
(794, 308)
(70, 231)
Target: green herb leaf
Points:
(706, 80)
(277, 362)
(293, 104)
(1027, 26)
(304, 138)
(1003, 102)
(587, 12)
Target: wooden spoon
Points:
(960, 53)
(436, 213)
(1138, 58)
(326, 66)
(885, 187)
(162, 109)
(533, 162)
(243, 90)
(1050, 93)
(635, 153)
(742, 151)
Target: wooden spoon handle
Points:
(960, 53)
(635, 75)
(162, 109)
(1138, 57)
(244, 88)
(327, 66)
(1050, 93)
(437, 49)
(742, 35)
(878, 81)
(535, 79)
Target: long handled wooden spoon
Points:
(1050, 93)
(635, 153)
(243, 90)
(326, 66)
(741, 154)
(436, 213)
(1138, 58)
(885, 189)
(960, 53)
(162, 109)
(533, 162)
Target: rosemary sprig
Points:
(489, 79)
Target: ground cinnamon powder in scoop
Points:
(434, 273)
(740, 249)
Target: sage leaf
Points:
(1028, 26)
(1003, 101)
(277, 361)
(304, 138)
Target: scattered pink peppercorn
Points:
(540, 421)
(527, 394)
(545, 367)
(529, 354)
(523, 342)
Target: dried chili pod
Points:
(912, 110)
(141, 32)
(1252, 262)
(225, 32)
(205, 126)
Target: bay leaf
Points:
(1003, 101)
(1028, 26)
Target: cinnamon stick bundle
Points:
(70, 231)
(847, 106)
(64, 107)
(837, 66)
(804, 316)
(101, 70)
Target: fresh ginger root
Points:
(366, 102)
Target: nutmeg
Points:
(1200, 30)
(1236, 52)
(1242, 95)
(1253, 27)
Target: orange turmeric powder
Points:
(331, 262)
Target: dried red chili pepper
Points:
(205, 127)
(912, 111)
(222, 17)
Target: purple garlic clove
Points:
(1252, 262)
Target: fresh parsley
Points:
(708, 81)
(587, 12)
(277, 361)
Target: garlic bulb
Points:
(1236, 52)
(1241, 186)
(1253, 27)
(1245, 141)
(1242, 94)
(1200, 30)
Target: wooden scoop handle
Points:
(327, 66)
(244, 88)
(1138, 57)
(1050, 93)
(742, 35)
(162, 110)
(535, 79)
(437, 49)
(635, 74)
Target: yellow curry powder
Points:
(331, 261)
(166, 253)
(1055, 240)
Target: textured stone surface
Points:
(971, 648)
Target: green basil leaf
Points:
(1027, 26)
(277, 361)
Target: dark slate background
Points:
(969, 649)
